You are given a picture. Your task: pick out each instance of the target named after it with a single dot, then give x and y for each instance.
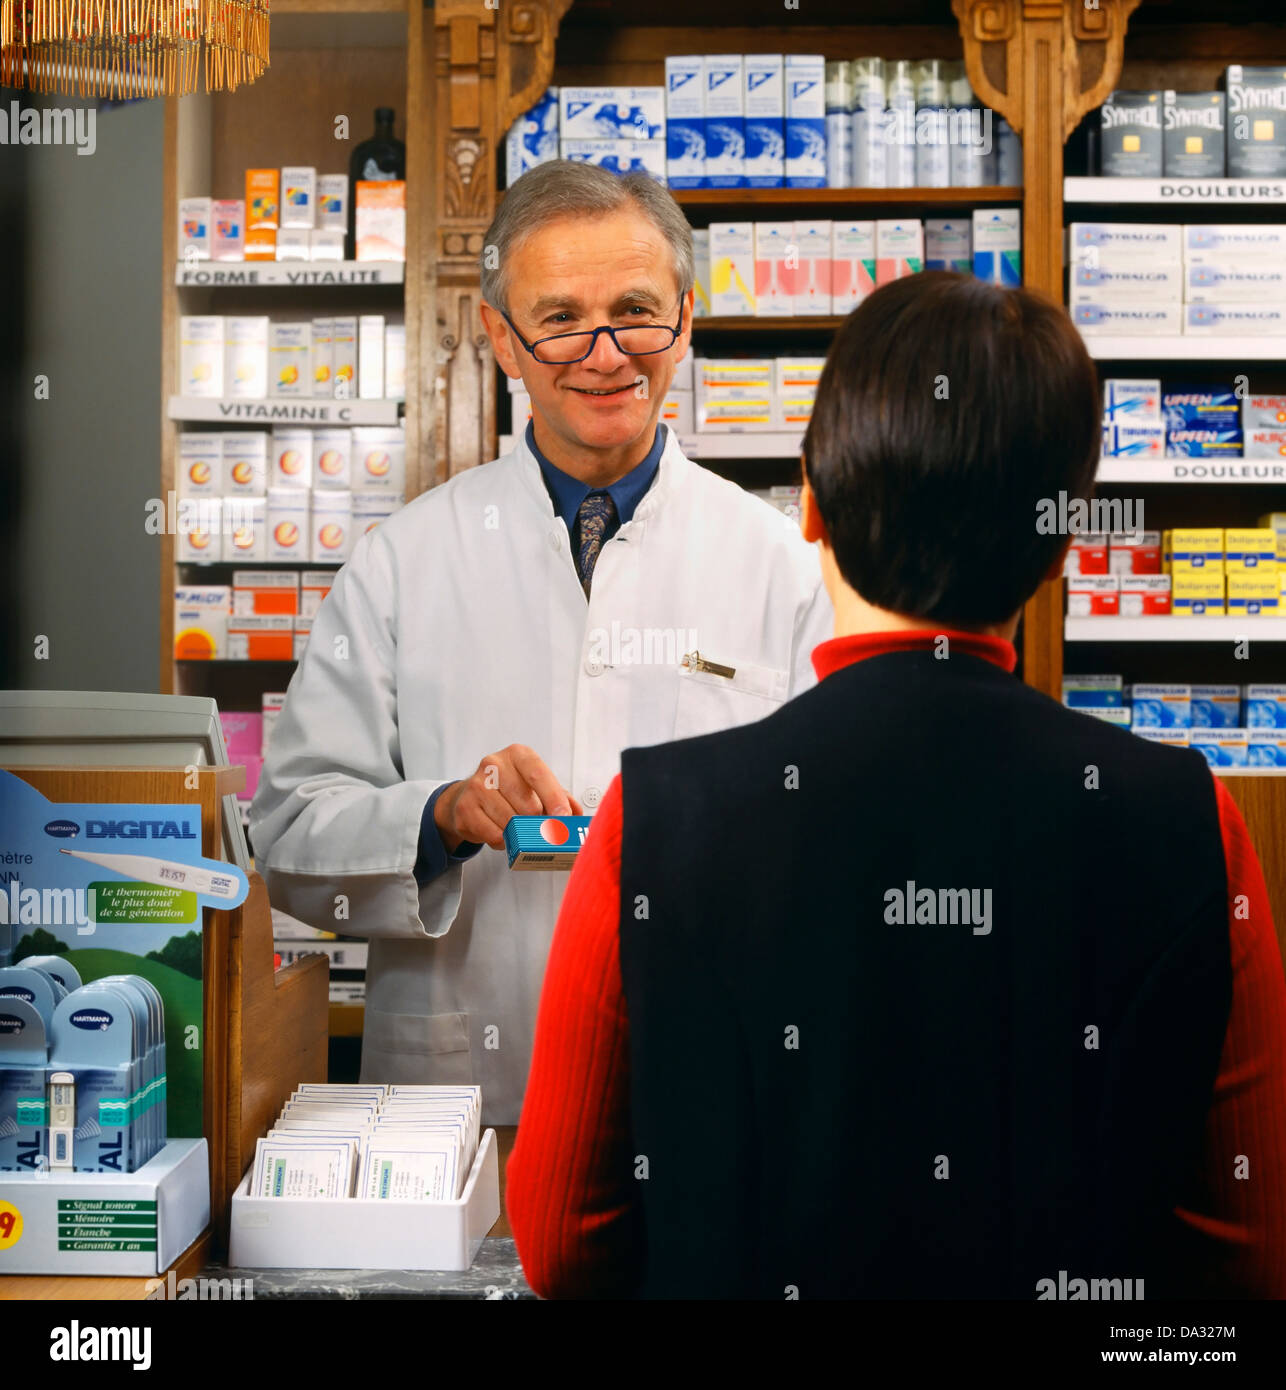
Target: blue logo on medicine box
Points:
(63, 829)
(91, 1020)
(548, 841)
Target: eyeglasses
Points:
(634, 340)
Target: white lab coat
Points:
(458, 627)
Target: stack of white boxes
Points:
(298, 494)
(1126, 277)
(1235, 279)
(622, 129)
(740, 395)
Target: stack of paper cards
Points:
(400, 1143)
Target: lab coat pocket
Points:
(710, 700)
(411, 1049)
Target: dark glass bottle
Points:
(380, 157)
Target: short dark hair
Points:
(947, 410)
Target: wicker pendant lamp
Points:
(131, 48)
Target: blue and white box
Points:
(805, 120)
(685, 131)
(765, 108)
(1216, 706)
(533, 138)
(1222, 747)
(1266, 747)
(1186, 407)
(619, 156)
(1009, 153)
(1209, 441)
(725, 120)
(1174, 738)
(1249, 319)
(611, 113)
(1093, 692)
(1136, 282)
(1162, 707)
(1132, 401)
(1134, 316)
(839, 126)
(948, 244)
(1116, 244)
(1134, 441)
(1205, 242)
(997, 245)
(1266, 706)
(1235, 282)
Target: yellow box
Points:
(1277, 522)
(1194, 592)
(1249, 548)
(263, 199)
(1199, 548)
(1253, 591)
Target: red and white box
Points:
(1088, 555)
(314, 585)
(1094, 596)
(262, 638)
(1134, 552)
(258, 592)
(1145, 595)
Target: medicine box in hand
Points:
(545, 842)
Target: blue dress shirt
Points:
(567, 494)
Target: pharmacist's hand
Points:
(513, 782)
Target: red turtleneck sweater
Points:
(570, 1212)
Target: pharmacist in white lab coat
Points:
(492, 647)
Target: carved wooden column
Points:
(1043, 64)
(489, 63)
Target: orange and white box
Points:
(381, 220)
(271, 705)
(1087, 554)
(852, 264)
(734, 393)
(288, 524)
(261, 593)
(1094, 596)
(245, 463)
(263, 199)
(678, 412)
(245, 357)
(261, 638)
(291, 461)
(290, 370)
(520, 405)
(200, 531)
(813, 283)
(322, 357)
(332, 460)
(261, 244)
(776, 268)
(201, 469)
(899, 249)
(303, 631)
(379, 459)
(201, 355)
(343, 353)
(1134, 552)
(314, 585)
(201, 614)
(1145, 595)
(371, 508)
(245, 529)
(332, 526)
(795, 390)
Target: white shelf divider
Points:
(1171, 629)
(301, 411)
(252, 274)
(1177, 191)
(1226, 470)
(1190, 347)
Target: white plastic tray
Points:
(347, 1233)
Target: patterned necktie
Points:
(595, 521)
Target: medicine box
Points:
(1266, 747)
(611, 113)
(618, 157)
(1216, 706)
(765, 120)
(533, 138)
(261, 593)
(1131, 316)
(1086, 692)
(322, 357)
(245, 357)
(1093, 596)
(332, 526)
(370, 356)
(325, 244)
(303, 630)
(1253, 592)
(1250, 548)
(290, 374)
(544, 842)
(379, 459)
(395, 362)
(1094, 284)
(1174, 738)
(1211, 440)
(1194, 405)
(1134, 552)
(813, 283)
(261, 244)
(1130, 131)
(899, 249)
(288, 528)
(732, 269)
(1276, 522)
(1087, 554)
(332, 202)
(314, 585)
(1256, 145)
(195, 225)
(1108, 714)
(997, 246)
(1222, 747)
(1265, 706)
(684, 122)
(948, 244)
(199, 540)
(228, 238)
(1226, 317)
(347, 1233)
(291, 461)
(1223, 243)
(725, 124)
(777, 256)
(1116, 244)
(201, 470)
(1161, 707)
(1134, 441)
(370, 508)
(343, 348)
(1132, 401)
(332, 459)
(381, 220)
(245, 463)
(245, 526)
(1145, 595)
(242, 732)
(262, 200)
(1193, 135)
(201, 621)
(852, 264)
(201, 355)
(261, 637)
(679, 412)
(1263, 413)
(701, 269)
(294, 244)
(120, 1224)
(805, 120)
(298, 196)
(1197, 592)
(1236, 282)
(1194, 547)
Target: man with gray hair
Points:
(591, 590)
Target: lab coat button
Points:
(553, 540)
(590, 797)
(594, 666)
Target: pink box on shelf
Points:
(243, 733)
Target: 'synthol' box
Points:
(1093, 596)
(1193, 139)
(1130, 129)
(1256, 121)
(544, 842)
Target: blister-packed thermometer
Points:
(164, 873)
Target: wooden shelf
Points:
(762, 323)
(346, 1020)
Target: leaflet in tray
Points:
(345, 1233)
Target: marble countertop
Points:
(496, 1273)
